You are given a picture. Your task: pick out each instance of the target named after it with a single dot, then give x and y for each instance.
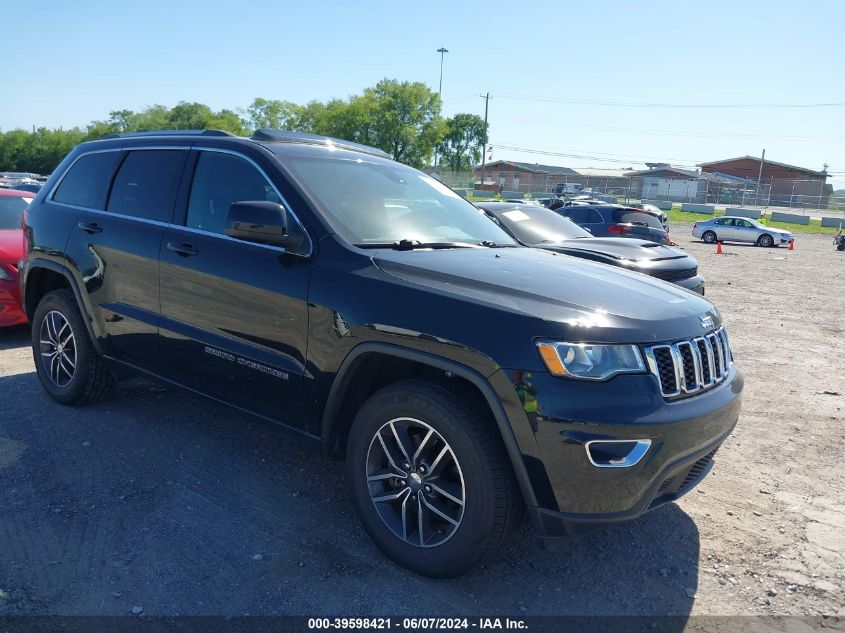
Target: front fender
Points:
(509, 429)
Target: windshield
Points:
(11, 211)
(755, 223)
(371, 204)
(537, 225)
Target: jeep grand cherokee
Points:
(364, 305)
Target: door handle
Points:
(183, 249)
(90, 227)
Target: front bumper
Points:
(11, 312)
(696, 284)
(573, 495)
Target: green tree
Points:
(273, 113)
(405, 120)
(461, 147)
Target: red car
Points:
(12, 205)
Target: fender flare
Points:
(344, 375)
(39, 263)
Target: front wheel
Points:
(67, 363)
(430, 478)
(765, 240)
(709, 237)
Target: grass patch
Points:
(676, 215)
(813, 227)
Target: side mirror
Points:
(262, 222)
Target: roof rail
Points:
(170, 133)
(286, 136)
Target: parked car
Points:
(12, 206)
(537, 227)
(735, 229)
(366, 306)
(654, 210)
(30, 187)
(612, 220)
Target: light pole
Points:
(442, 52)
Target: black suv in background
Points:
(538, 227)
(611, 220)
(362, 304)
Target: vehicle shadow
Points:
(160, 498)
(13, 337)
(740, 244)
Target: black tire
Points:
(492, 505)
(765, 240)
(708, 237)
(89, 380)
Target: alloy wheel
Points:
(58, 348)
(415, 482)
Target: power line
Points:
(597, 156)
(623, 104)
(672, 133)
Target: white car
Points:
(735, 229)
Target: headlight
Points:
(4, 275)
(588, 361)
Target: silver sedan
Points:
(735, 229)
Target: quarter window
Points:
(219, 180)
(147, 183)
(86, 183)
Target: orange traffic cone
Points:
(792, 245)
(718, 248)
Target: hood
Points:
(582, 300)
(772, 229)
(11, 246)
(621, 248)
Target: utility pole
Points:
(760, 173)
(484, 144)
(442, 50)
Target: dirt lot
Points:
(161, 500)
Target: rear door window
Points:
(147, 183)
(86, 183)
(579, 215)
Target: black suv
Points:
(361, 303)
(611, 220)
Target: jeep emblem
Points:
(706, 321)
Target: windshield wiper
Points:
(409, 245)
(491, 244)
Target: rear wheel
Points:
(709, 237)
(67, 363)
(765, 240)
(430, 478)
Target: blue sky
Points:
(549, 66)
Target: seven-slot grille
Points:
(687, 367)
(675, 275)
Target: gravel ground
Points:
(163, 501)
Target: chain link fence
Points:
(798, 195)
